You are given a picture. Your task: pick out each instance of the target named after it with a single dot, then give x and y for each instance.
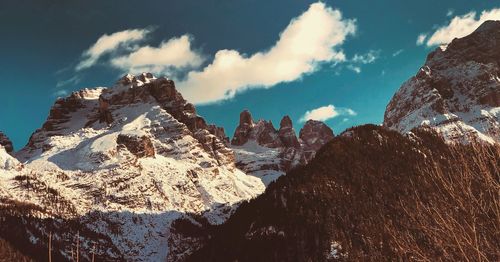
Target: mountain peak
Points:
(457, 91)
(246, 118)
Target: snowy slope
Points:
(132, 159)
(457, 91)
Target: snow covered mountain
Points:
(457, 91)
(267, 153)
(128, 159)
(118, 169)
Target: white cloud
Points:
(398, 52)
(367, 58)
(108, 43)
(460, 26)
(450, 12)
(176, 52)
(354, 68)
(421, 39)
(310, 39)
(326, 112)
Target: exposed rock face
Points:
(457, 91)
(265, 152)
(130, 90)
(287, 134)
(121, 164)
(314, 135)
(140, 146)
(6, 143)
(263, 132)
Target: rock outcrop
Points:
(314, 135)
(140, 146)
(457, 91)
(265, 152)
(6, 143)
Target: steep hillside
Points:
(372, 194)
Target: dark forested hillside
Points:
(373, 195)
(9, 253)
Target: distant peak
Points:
(286, 121)
(246, 117)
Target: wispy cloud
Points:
(398, 52)
(326, 112)
(108, 43)
(366, 58)
(355, 69)
(459, 26)
(71, 81)
(358, 60)
(421, 38)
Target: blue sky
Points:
(42, 43)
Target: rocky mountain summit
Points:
(457, 91)
(265, 152)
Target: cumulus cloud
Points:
(421, 39)
(108, 43)
(174, 53)
(309, 40)
(460, 26)
(326, 112)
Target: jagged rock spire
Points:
(6, 143)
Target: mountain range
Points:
(132, 173)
